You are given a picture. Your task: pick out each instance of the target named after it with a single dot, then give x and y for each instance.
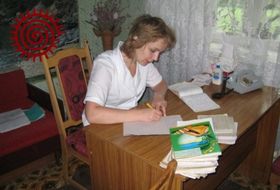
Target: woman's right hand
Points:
(149, 114)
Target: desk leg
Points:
(257, 166)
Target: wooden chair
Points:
(165, 181)
(67, 68)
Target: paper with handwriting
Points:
(160, 127)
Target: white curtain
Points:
(255, 37)
(200, 41)
(192, 21)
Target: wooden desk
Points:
(119, 162)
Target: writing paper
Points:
(160, 127)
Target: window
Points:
(252, 28)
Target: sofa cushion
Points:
(22, 143)
(28, 135)
(15, 86)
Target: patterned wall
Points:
(83, 32)
(13, 12)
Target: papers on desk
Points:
(160, 127)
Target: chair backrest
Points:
(165, 181)
(67, 78)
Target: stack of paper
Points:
(224, 126)
(195, 148)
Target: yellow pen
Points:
(149, 105)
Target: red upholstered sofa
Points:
(28, 143)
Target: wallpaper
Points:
(12, 13)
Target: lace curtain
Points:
(253, 31)
(192, 22)
(202, 38)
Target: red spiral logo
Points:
(35, 34)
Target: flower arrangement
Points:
(106, 16)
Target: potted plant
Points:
(106, 19)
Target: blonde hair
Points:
(147, 28)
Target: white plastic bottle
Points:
(217, 75)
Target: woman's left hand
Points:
(160, 105)
(159, 102)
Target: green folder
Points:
(34, 113)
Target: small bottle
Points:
(217, 75)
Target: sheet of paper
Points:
(160, 127)
(13, 119)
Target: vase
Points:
(107, 40)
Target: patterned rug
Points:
(50, 178)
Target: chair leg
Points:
(57, 157)
(65, 165)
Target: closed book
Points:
(194, 139)
(35, 112)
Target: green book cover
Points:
(34, 113)
(194, 139)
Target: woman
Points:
(119, 77)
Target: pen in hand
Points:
(151, 107)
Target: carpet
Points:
(50, 178)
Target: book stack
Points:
(224, 127)
(195, 147)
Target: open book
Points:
(193, 96)
(13, 119)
